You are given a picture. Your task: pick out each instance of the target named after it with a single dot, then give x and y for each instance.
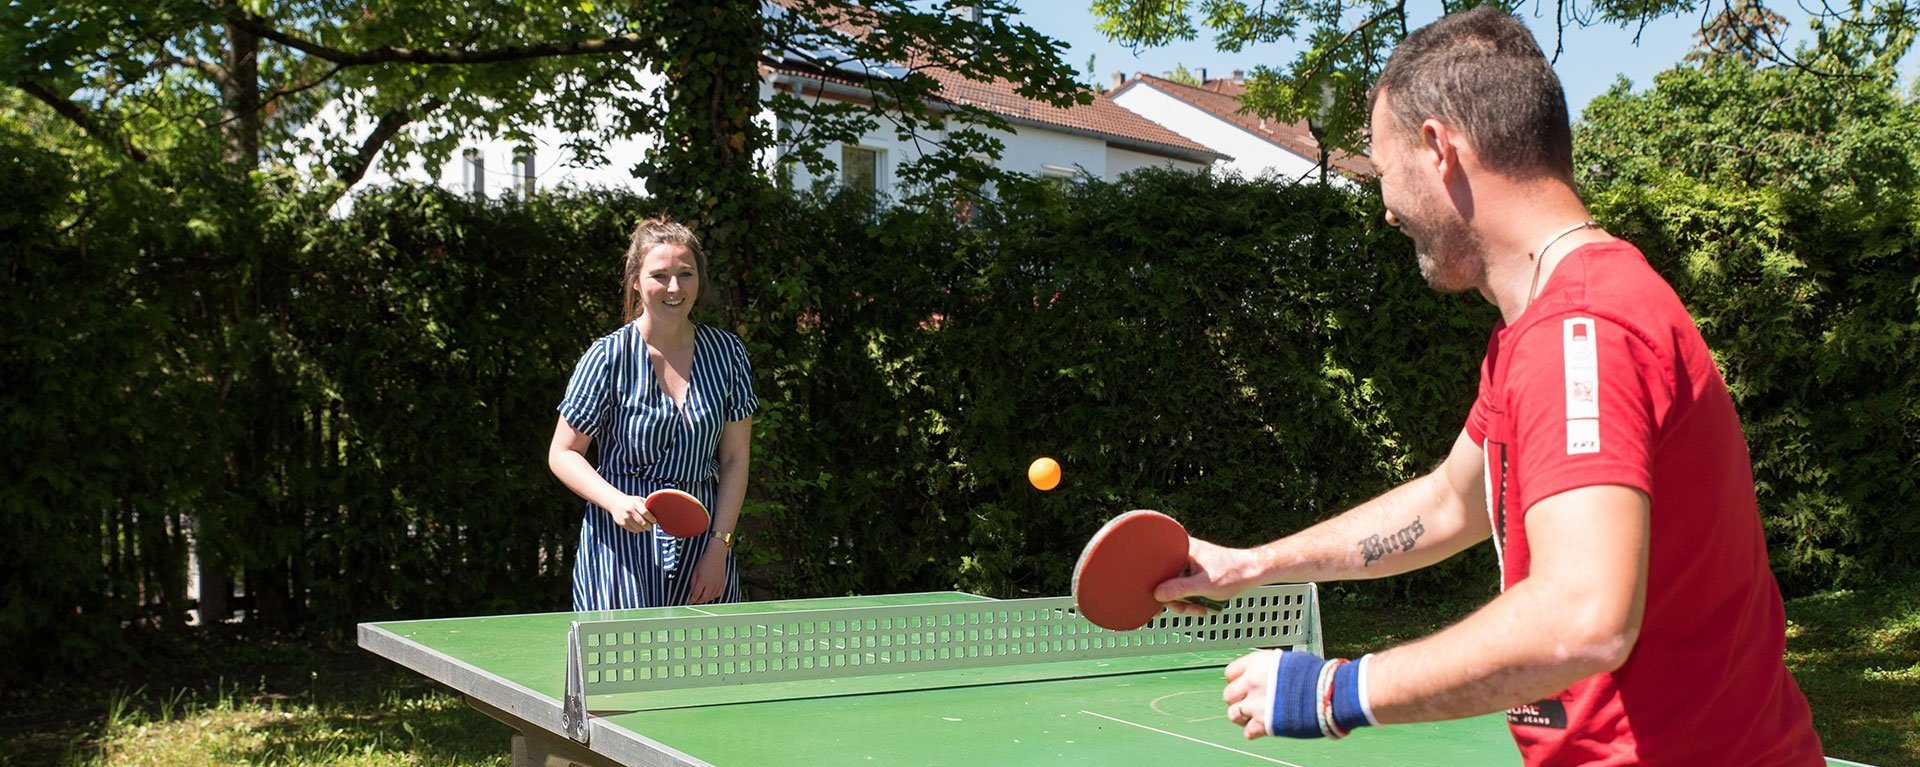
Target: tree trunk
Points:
(704, 170)
(240, 117)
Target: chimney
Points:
(1203, 75)
(1239, 75)
(1119, 79)
(969, 13)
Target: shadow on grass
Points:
(1856, 654)
(301, 701)
(413, 727)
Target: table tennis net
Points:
(647, 654)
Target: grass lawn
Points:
(229, 701)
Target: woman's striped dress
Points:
(647, 442)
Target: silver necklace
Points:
(1540, 256)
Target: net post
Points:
(573, 714)
(1314, 644)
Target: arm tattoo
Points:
(1373, 547)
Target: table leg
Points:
(534, 746)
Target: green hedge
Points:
(1812, 306)
(354, 411)
(1249, 356)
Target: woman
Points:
(671, 402)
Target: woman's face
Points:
(669, 281)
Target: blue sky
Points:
(1593, 57)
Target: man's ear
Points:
(1440, 146)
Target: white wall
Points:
(554, 165)
(1029, 150)
(1032, 150)
(1122, 161)
(1251, 155)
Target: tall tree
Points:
(400, 79)
(1346, 43)
(1745, 31)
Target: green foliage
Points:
(1252, 356)
(332, 82)
(440, 333)
(1344, 45)
(1810, 306)
(1181, 74)
(1252, 380)
(1747, 127)
(377, 447)
(1788, 224)
(194, 113)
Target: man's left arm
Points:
(1577, 614)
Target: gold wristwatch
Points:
(725, 538)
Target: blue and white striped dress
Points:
(647, 442)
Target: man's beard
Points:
(1452, 258)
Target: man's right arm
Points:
(1417, 524)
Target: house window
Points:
(473, 171)
(523, 170)
(1057, 175)
(860, 168)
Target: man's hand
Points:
(1249, 702)
(1213, 571)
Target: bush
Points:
(353, 412)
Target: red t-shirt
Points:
(1604, 380)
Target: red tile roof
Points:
(1221, 98)
(1101, 119)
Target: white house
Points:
(1211, 115)
(1099, 139)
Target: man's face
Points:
(1450, 253)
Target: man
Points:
(1638, 621)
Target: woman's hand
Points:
(631, 514)
(709, 575)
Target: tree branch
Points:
(79, 116)
(351, 171)
(279, 93)
(393, 55)
(1313, 69)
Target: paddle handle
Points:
(1211, 604)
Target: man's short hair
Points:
(1482, 73)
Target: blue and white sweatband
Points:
(1315, 698)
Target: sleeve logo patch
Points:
(1550, 713)
(1580, 354)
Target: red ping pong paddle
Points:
(677, 513)
(1114, 580)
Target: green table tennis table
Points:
(911, 679)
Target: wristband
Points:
(1293, 712)
(1316, 698)
(1347, 708)
(1323, 700)
(1366, 700)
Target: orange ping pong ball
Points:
(1044, 473)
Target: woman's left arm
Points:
(736, 449)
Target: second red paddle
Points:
(1114, 580)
